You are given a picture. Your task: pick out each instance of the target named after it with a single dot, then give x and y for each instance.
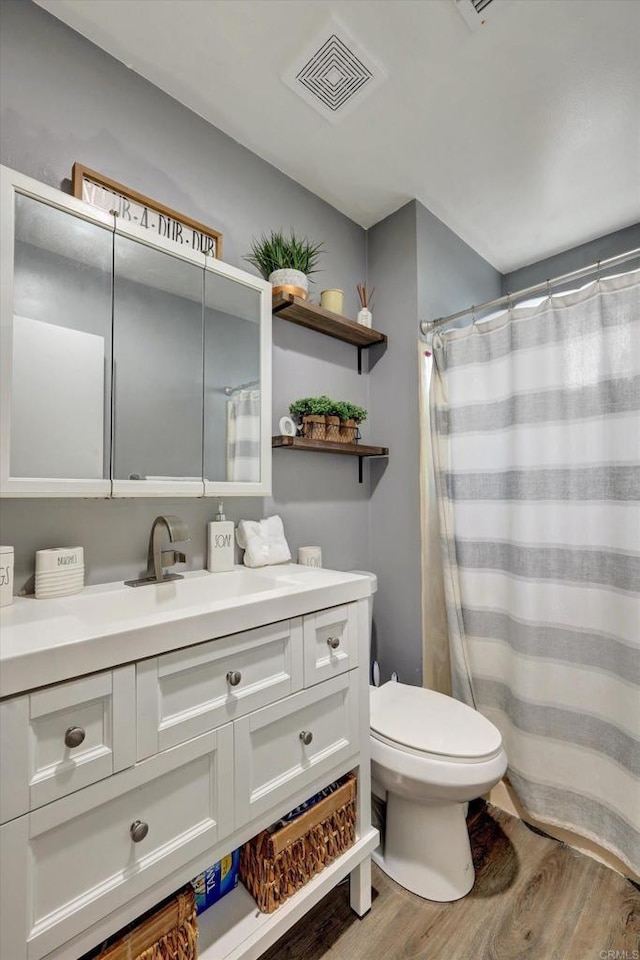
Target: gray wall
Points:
(64, 100)
(587, 253)
(451, 275)
(421, 270)
(395, 508)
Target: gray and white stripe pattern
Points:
(535, 420)
(243, 436)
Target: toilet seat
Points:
(422, 722)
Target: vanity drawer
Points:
(64, 737)
(282, 747)
(71, 863)
(330, 643)
(187, 692)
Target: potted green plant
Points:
(286, 261)
(312, 412)
(351, 416)
(325, 419)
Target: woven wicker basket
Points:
(274, 865)
(170, 933)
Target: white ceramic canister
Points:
(59, 572)
(332, 300)
(6, 576)
(310, 556)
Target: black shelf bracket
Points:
(360, 364)
(359, 467)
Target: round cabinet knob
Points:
(306, 736)
(74, 737)
(334, 642)
(138, 830)
(234, 677)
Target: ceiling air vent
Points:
(335, 74)
(473, 12)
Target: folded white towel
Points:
(263, 542)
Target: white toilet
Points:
(430, 755)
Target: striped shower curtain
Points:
(243, 436)
(535, 419)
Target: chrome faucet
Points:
(158, 558)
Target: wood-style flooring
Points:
(534, 899)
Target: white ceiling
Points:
(523, 137)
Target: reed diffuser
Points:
(366, 302)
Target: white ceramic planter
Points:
(289, 281)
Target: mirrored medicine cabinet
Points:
(129, 366)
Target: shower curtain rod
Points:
(428, 326)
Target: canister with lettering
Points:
(6, 576)
(59, 572)
(221, 546)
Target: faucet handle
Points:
(169, 557)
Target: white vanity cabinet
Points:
(188, 692)
(59, 739)
(187, 755)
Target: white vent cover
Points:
(473, 12)
(334, 74)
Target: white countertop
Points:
(46, 641)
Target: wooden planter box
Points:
(330, 429)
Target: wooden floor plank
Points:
(534, 899)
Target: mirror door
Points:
(237, 383)
(129, 366)
(56, 349)
(157, 370)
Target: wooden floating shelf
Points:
(327, 446)
(359, 450)
(307, 314)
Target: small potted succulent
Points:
(312, 412)
(325, 419)
(286, 261)
(351, 416)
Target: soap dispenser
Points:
(220, 554)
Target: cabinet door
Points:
(237, 382)
(293, 742)
(330, 643)
(158, 377)
(69, 864)
(187, 692)
(55, 328)
(62, 738)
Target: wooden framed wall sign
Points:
(109, 195)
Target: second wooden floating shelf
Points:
(306, 314)
(360, 450)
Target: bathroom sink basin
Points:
(116, 602)
(46, 641)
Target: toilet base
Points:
(427, 849)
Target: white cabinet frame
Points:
(12, 183)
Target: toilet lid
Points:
(430, 722)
